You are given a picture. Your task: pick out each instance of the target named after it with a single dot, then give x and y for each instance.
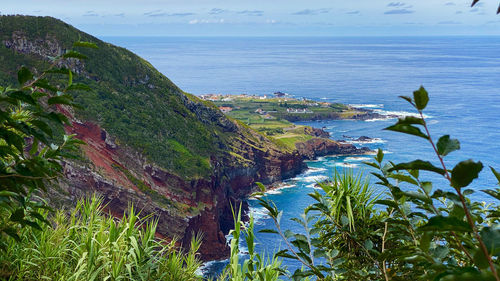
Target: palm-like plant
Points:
(349, 197)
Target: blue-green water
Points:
(461, 74)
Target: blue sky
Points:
(268, 17)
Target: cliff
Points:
(150, 144)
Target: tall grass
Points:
(88, 245)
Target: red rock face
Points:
(183, 208)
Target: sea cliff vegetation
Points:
(413, 231)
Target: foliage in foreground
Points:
(32, 145)
(88, 245)
(414, 231)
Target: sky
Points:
(268, 17)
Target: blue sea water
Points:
(461, 74)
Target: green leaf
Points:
(417, 165)
(427, 186)
(24, 75)
(491, 239)
(380, 155)
(42, 126)
(368, 245)
(85, 44)
(407, 129)
(64, 99)
(465, 172)
(61, 70)
(421, 98)
(78, 86)
(388, 203)
(74, 54)
(492, 193)
(18, 215)
(497, 175)
(284, 254)
(408, 99)
(409, 120)
(268, 231)
(44, 84)
(425, 241)
(374, 165)
(12, 233)
(22, 96)
(442, 223)
(446, 145)
(403, 178)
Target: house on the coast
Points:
(225, 109)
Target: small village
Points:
(227, 103)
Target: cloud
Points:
(181, 14)
(399, 12)
(90, 14)
(450, 4)
(311, 12)
(449, 22)
(119, 15)
(251, 13)
(353, 13)
(152, 12)
(271, 21)
(474, 10)
(396, 4)
(202, 21)
(459, 12)
(216, 11)
(160, 13)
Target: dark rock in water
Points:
(363, 138)
(322, 147)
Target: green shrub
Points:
(89, 245)
(413, 232)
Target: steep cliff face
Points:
(148, 143)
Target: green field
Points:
(271, 116)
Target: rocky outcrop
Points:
(316, 132)
(318, 147)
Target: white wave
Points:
(311, 179)
(200, 271)
(313, 170)
(367, 105)
(313, 185)
(399, 113)
(375, 152)
(355, 159)
(376, 119)
(319, 159)
(346, 165)
(258, 213)
(374, 140)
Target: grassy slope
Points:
(152, 120)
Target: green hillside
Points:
(131, 99)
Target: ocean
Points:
(461, 75)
